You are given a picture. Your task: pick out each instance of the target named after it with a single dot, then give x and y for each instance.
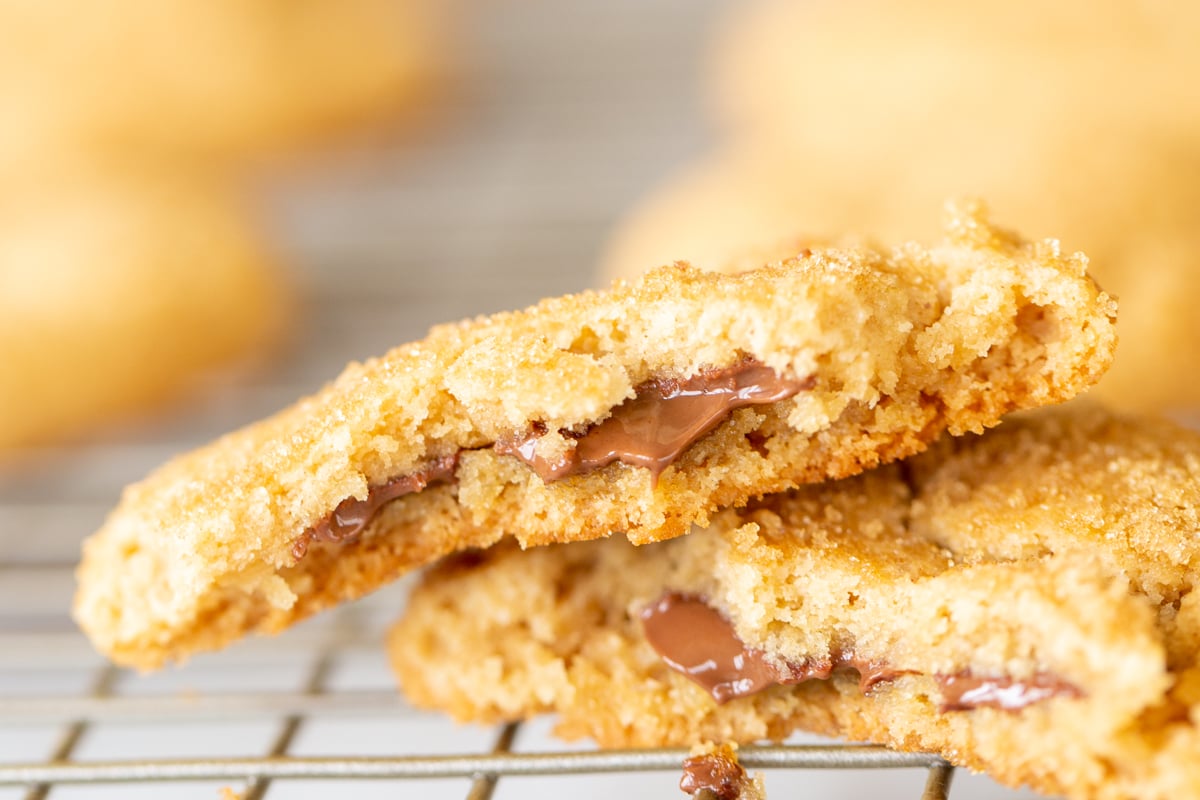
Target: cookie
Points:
(1019, 602)
(642, 409)
(853, 80)
(116, 291)
(247, 78)
(855, 116)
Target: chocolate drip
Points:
(963, 691)
(663, 419)
(694, 639)
(720, 775)
(352, 515)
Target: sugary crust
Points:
(902, 346)
(116, 290)
(988, 555)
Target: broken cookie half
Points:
(1018, 602)
(643, 409)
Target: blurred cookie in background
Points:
(209, 77)
(855, 115)
(117, 291)
(858, 81)
(125, 275)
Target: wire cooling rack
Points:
(114, 704)
(564, 114)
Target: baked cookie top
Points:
(642, 409)
(1019, 602)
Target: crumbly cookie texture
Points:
(1058, 550)
(892, 348)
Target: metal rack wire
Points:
(290, 710)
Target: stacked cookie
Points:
(827, 537)
(128, 260)
(1019, 602)
(1075, 119)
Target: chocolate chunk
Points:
(719, 774)
(352, 515)
(964, 691)
(663, 419)
(696, 641)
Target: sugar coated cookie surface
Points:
(1077, 120)
(1020, 602)
(640, 410)
(115, 291)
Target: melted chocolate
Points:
(872, 673)
(964, 691)
(694, 639)
(720, 775)
(352, 515)
(651, 430)
(663, 419)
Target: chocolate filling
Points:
(651, 430)
(964, 691)
(663, 419)
(352, 515)
(696, 641)
(721, 776)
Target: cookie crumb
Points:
(713, 771)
